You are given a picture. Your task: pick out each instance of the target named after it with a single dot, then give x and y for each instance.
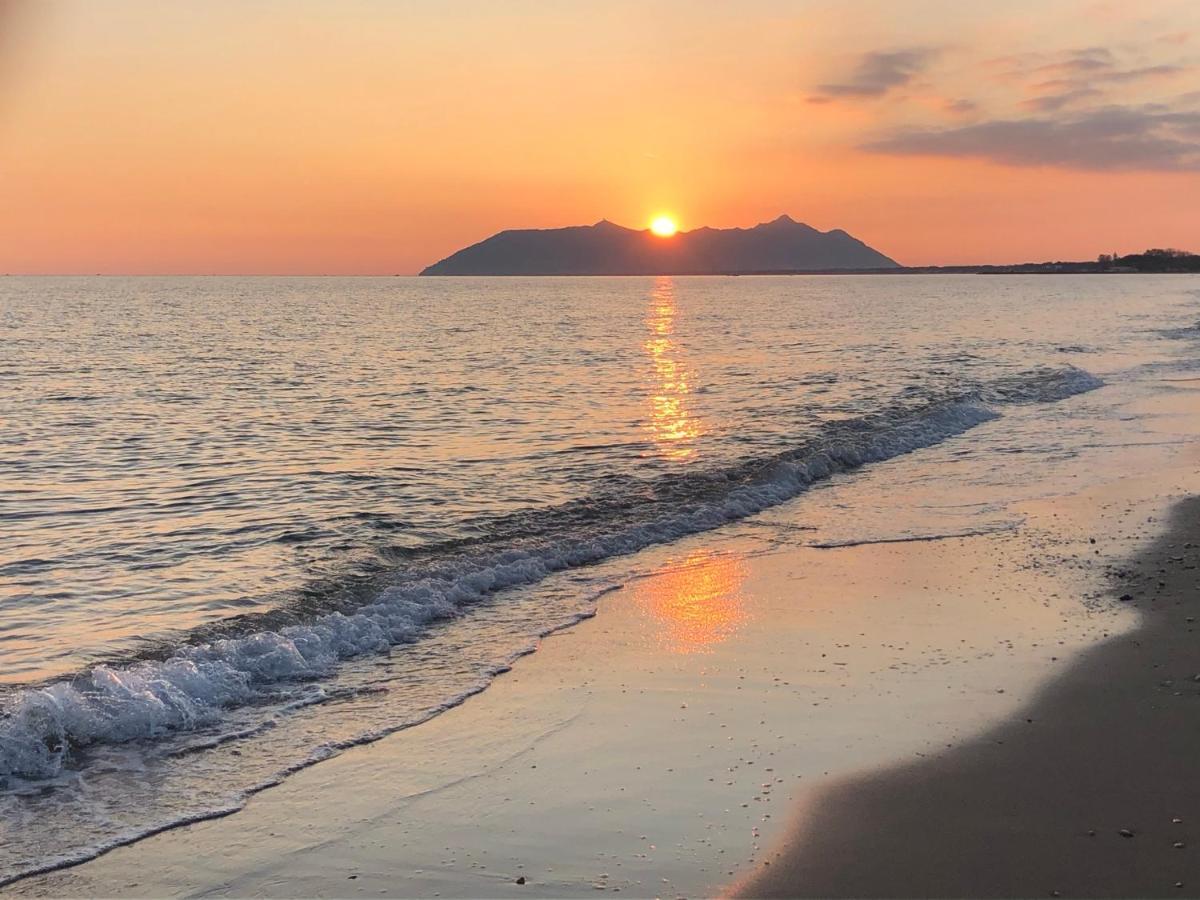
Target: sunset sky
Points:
(368, 136)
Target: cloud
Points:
(1088, 62)
(1112, 76)
(1061, 93)
(1113, 138)
(1090, 107)
(1127, 75)
(1075, 69)
(1187, 124)
(878, 72)
(1055, 102)
(961, 107)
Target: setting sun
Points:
(664, 226)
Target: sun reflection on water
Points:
(672, 425)
(697, 602)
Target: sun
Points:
(663, 226)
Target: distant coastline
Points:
(1152, 262)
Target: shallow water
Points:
(293, 514)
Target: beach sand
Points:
(1089, 791)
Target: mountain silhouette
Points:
(783, 245)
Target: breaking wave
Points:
(44, 728)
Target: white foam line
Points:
(317, 755)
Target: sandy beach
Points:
(1089, 791)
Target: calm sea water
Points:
(246, 522)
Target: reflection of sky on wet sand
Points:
(671, 423)
(696, 602)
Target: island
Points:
(781, 246)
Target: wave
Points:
(1185, 332)
(43, 728)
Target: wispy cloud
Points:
(960, 107)
(1088, 78)
(1111, 107)
(878, 72)
(1113, 138)
(1088, 61)
(1055, 102)
(1112, 75)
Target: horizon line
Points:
(897, 270)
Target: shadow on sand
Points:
(1092, 790)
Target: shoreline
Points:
(631, 753)
(1088, 791)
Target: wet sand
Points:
(1090, 790)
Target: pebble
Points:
(1125, 833)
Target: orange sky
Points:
(372, 136)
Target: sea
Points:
(248, 523)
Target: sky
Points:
(378, 136)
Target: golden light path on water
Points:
(697, 601)
(672, 425)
